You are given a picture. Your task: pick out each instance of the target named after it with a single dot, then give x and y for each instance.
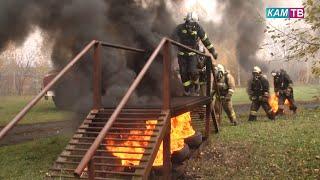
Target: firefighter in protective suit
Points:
(190, 33)
(226, 86)
(284, 91)
(258, 91)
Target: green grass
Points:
(288, 148)
(31, 160)
(301, 93)
(44, 111)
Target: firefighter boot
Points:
(197, 89)
(234, 122)
(233, 119)
(252, 118)
(271, 115)
(294, 109)
(280, 112)
(187, 91)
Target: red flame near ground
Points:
(180, 129)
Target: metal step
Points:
(106, 165)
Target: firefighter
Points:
(190, 33)
(226, 86)
(258, 91)
(284, 91)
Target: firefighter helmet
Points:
(219, 71)
(274, 73)
(256, 69)
(256, 73)
(191, 17)
(220, 68)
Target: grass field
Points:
(30, 161)
(288, 148)
(301, 93)
(44, 111)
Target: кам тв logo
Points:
(284, 12)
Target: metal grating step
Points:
(106, 165)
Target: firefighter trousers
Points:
(227, 106)
(255, 105)
(282, 98)
(188, 70)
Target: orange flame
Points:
(180, 129)
(274, 100)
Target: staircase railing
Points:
(96, 80)
(164, 45)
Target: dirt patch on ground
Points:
(22, 133)
(219, 160)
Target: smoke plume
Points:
(71, 24)
(248, 31)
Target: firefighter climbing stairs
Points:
(105, 164)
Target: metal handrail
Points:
(75, 60)
(188, 48)
(90, 152)
(121, 47)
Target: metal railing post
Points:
(208, 93)
(167, 166)
(166, 106)
(97, 73)
(216, 120)
(91, 169)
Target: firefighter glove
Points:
(214, 54)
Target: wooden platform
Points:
(179, 105)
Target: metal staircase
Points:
(105, 164)
(91, 152)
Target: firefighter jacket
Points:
(282, 81)
(226, 85)
(258, 87)
(190, 38)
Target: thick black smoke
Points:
(244, 16)
(71, 24)
(241, 25)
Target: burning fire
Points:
(180, 129)
(273, 101)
